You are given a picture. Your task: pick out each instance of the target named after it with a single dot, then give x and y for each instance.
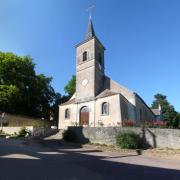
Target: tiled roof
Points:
(106, 93)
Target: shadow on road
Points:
(54, 160)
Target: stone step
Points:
(56, 136)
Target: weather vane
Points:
(91, 6)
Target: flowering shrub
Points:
(159, 123)
(118, 123)
(129, 123)
(150, 124)
(100, 123)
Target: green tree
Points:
(70, 88)
(168, 111)
(8, 96)
(55, 107)
(176, 121)
(22, 91)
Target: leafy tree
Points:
(22, 91)
(176, 121)
(64, 98)
(8, 96)
(55, 107)
(168, 111)
(70, 88)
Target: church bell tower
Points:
(89, 66)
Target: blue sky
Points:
(142, 40)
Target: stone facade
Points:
(99, 101)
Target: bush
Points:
(69, 136)
(23, 132)
(159, 124)
(129, 140)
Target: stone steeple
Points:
(89, 66)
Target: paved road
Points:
(51, 160)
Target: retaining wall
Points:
(35, 131)
(162, 138)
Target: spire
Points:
(90, 31)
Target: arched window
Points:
(85, 56)
(67, 114)
(105, 108)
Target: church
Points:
(98, 100)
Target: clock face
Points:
(84, 82)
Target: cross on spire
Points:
(91, 6)
(90, 31)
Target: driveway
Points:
(52, 160)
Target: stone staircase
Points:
(57, 136)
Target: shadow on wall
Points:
(107, 82)
(75, 135)
(82, 136)
(154, 145)
(152, 135)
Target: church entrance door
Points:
(84, 116)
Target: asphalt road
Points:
(51, 160)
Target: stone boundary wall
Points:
(35, 131)
(161, 138)
(15, 130)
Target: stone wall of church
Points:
(115, 87)
(99, 50)
(71, 121)
(113, 118)
(85, 71)
(90, 105)
(82, 92)
(89, 47)
(119, 109)
(128, 110)
(99, 77)
(96, 118)
(143, 112)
